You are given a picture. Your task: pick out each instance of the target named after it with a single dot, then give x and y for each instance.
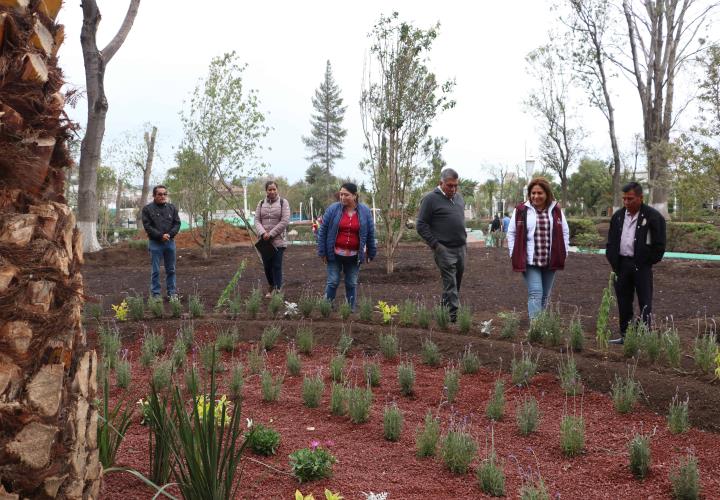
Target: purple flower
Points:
(314, 444)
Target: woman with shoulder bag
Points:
(272, 217)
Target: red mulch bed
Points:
(367, 462)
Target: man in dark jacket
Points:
(636, 242)
(161, 222)
(441, 223)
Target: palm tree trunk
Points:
(48, 419)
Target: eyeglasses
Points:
(161, 194)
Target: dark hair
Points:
(544, 184)
(159, 186)
(350, 187)
(635, 187)
(270, 183)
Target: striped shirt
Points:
(541, 255)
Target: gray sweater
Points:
(442, 219)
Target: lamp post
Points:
(373, 202)
(312, 213)
(301, 211)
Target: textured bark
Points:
(95, 63)
(147, 171)
(46, 392)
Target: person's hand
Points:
(166, 237)
(266, 236)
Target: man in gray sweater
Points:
(441, 223)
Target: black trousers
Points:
(273, 269)
(632, 280)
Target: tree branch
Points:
(109, 51)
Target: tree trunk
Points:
(48, 435)
(147, 171)
(95, 64)
(118, 200)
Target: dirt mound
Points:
(224, 234)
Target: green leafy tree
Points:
(591, 186)
(325, 142)
(400, 99)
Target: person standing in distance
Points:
(272, 217)
(538, 241)
(161, 222)
(441, 223)
(636, 242)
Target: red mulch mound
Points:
(224, 234)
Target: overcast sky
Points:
(482, 45)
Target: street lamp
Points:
(312, 213)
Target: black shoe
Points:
(619, 341)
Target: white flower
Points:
(249, 423)
(486, 327)
(375, 496)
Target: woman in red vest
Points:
(538, 240)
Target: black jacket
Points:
(649, 237)
(160, 219)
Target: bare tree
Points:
(592, 22)
(550, 103)
(660, 35)
(95, 64)
(149, 138)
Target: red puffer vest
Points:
(557, 248)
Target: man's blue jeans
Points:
(348, 265)
(164, 251)
(539, 282)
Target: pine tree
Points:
(326, 137)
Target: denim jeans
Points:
(164, 251)
(349, 266)
(273, 269)
(539, 282)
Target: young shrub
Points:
(136, 307)
(510, 324)
(175, 307)
(546, 328)
(534, 489)
(359, 400)
(305, 340)
(110, 344)
(678, 415)
(270, 386)
(464, 319)
(406, 316)
(441, 314)
(210, 357)
(255, 360)
(310, 464)
(306, 304)
(705, 350)
(424, 315)
(426, 437)
(490, 475)
(162, 374)
(193, 382)
(685, 479)
(337, 366)
(632, 342)
(625, 393)
(263, 440)
(671, 347)
(227, 339)
(195, 306)
(151, 347)
(344, 343)
(524, 368)
(112, 425)
(389, 345)
(269, 337)
(406, 378)
(651, 344)
(602, 326)
(572, 435)
(123, 374)
(640, 458)
(155, 306)
(372, 373)
(570, 380)
(237, 381)
(470, 362)
(187, 334)
(458, 449)
(496, 406)
(392, 422)
(276, 303)
(324, 306)
(93, 310)
(338, 399)
(366, 309)
(451, 383)
(576, 335)
(312, 389)
(430, 353)
(253, 302)
(235, 305)
(345, 310)
(527, 416)
(292, 362)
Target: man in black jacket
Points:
(161, 222)
(441, 223)
(636, 241)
